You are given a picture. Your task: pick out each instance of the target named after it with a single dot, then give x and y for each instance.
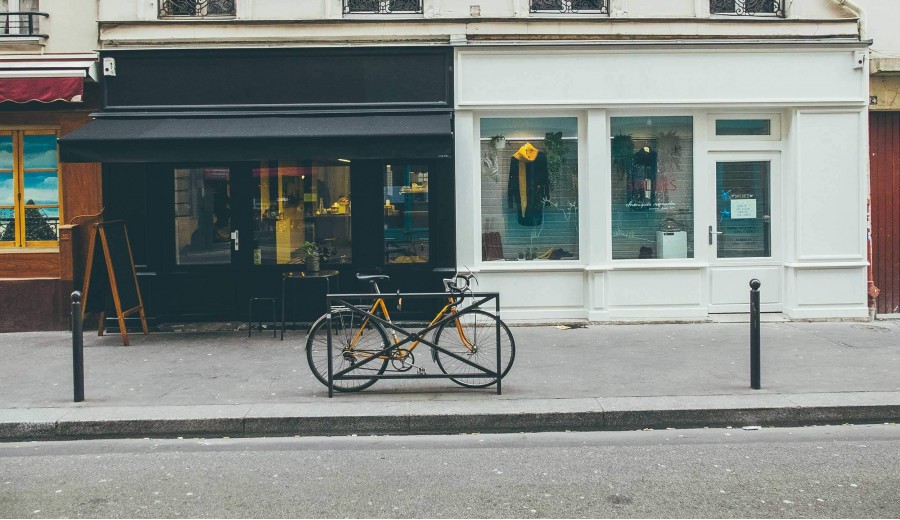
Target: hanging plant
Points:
(553, 147)
(622, 154)
(668, 148)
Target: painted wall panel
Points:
(530, 289)
(654, 288)
(829, 202)
(832, 287)
(591, 77)
(732, 285)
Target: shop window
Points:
(529, 189)
(652, 187)
(197, 8)
(296, 204)
(29, 189)
(406, 229)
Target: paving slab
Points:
(601, 376)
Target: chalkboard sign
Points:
(110, 272)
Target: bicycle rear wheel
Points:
(475, 339)
(353, 339)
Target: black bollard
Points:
(77, 347)
(754, 333)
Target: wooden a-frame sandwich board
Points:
(110, 270)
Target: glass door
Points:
(742, 231)
(203, 219)
(743, 210)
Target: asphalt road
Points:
(838, 471)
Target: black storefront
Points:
(224, 163)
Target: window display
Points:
(652, 187)
(529, 189)
(406, 213)
(301, 203)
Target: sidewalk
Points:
(592, 378)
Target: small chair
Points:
(259, 323)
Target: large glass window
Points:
(529, 189)
(652, 187)
(29, 189)
(301, 203)
(406, 213)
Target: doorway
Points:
(743, 230)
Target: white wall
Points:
(883, 26)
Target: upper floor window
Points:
(20, 18)
(382, 6)
(570, 6)
(747, 7)
(196, 8)
(29, 188)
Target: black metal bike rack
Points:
(342, 302)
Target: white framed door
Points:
(743, 232)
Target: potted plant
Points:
(311, 255)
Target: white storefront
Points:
(671, 175)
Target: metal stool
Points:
(250, 317)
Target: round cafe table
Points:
(295, 276)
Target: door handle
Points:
(711, 233)
(237, 241)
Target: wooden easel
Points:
(110, 270)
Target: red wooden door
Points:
(884, 147)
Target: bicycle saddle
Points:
(371, 277)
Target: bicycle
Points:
(358, 340)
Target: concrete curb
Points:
(431, 417)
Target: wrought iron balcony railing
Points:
(570, 6)
(196, 8)
(382, 6)
(21, 24)
(747, 7)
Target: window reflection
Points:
(295, 203)
(406, 213)
(652, 187)
(202, 216)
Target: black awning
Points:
(151, 139)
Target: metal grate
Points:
(382, 6)
(196, 8)
(570, 6)
(747, 7)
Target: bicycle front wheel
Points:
(354, 339)
(473, 337)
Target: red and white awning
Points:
(45, 90)
(45, 78)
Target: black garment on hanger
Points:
(537, 188)
(643, 168)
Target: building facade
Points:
(598, 160)
(48, 88)
(882, 18)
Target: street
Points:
(834, 471)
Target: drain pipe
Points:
(872, 291)
(851, 7)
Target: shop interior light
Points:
(344, 160)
